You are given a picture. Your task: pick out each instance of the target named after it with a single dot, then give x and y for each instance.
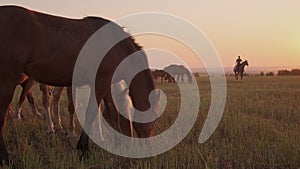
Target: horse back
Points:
(15, 34)
(42, 45)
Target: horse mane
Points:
(105, 21)
(133, 41)
(128, 42)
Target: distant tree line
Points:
(287, 72)
(267, 74)
(270, 74)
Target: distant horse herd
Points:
(169, 73)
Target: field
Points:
(260, 128)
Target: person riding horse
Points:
(238, 62)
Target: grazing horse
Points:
(239, 70)
(159, 74)
(163, 76)
(169, 78)
(119, 94)
(124, 126)
(46, 48)
(179, 71)
(27, 84)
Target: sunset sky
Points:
(266, 33)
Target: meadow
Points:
(260, 128)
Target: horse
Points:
(169, 78)
(46, 49)
(159, 74)
(239, 70)
(163, 76)
(55, 125)
(46, 90)
(179, 71)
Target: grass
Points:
(260, 128)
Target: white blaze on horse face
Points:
(127, 108)
(122, 101)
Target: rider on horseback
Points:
(238, 62)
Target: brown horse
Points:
(46, 90)
(169, 78)
(163, 76)
(159, 74)
(119, 123)
(179, 71)
(46, 48)
(239, 70)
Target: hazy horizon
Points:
(266, 33)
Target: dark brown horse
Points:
(169, 78)
(179, 71)
(46, 48)
(159, 75)
(239, 70)
(163, 76)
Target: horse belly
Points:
(53, 73)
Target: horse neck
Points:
(243, 65)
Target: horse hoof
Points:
(40, 115)
(84, 155)
(58, 129)
(83, 147)
(19, 116)
(50, 131)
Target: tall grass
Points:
(260, 128)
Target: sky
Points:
(266, 33)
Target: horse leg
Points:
(27, 87)
(25, 90)
(182, 78)
(33, 105)
(111, 111)
(71, 109)
(46, 102)
(6, 94)
(56, 110)
(91, 113)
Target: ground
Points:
(260, 128)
